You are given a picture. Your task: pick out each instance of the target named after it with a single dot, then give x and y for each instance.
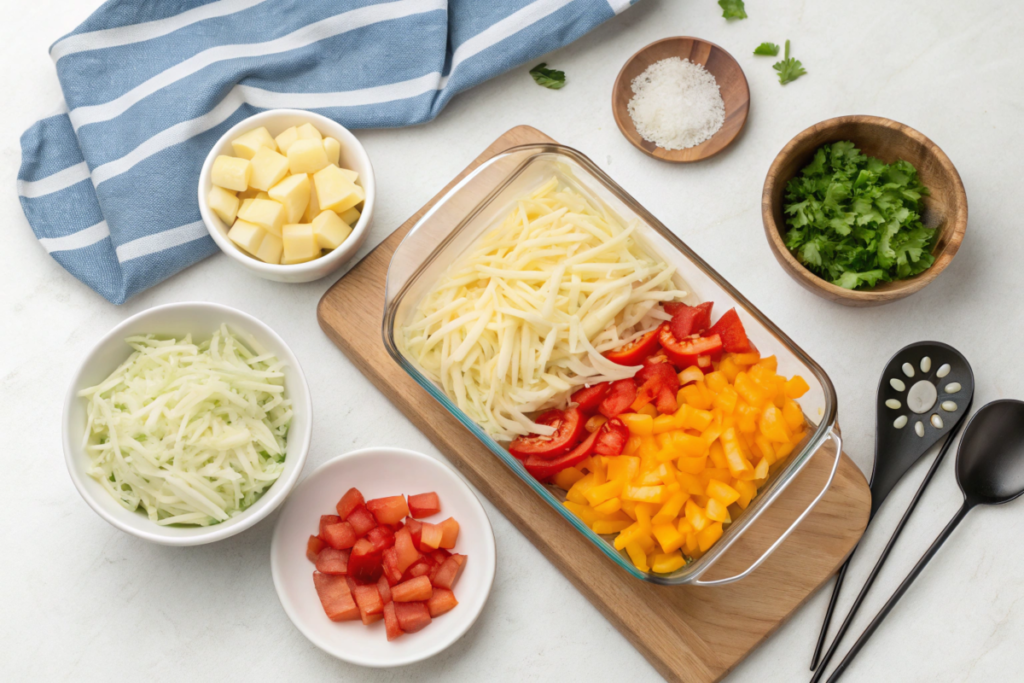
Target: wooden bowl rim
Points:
(957, 223)
(636, 142)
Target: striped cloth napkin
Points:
(108, 183)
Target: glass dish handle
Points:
(836, 438)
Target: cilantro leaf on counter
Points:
(767, 49)
(789, 69)
(549, 78)
(733, 9)
(856, 221)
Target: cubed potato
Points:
(286, 138)
(268, 168)
(245, 203)
(313, 208)
(245, 145)
(265, 213)
(330, 230)
(306, 156)
(270, 249)
(350, 216)
(335, 191)
(231, 173)
(308, 131)
(247, 235)
(293, 193)
(300, 243)
(350, 174)
(224, 203)
(248, 194)
(333, 149)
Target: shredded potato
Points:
(192, 433)
(524, 315)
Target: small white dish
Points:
(353, 156)
(378, 472)
(201, 319)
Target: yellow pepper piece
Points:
(773, 426)
(764, 447)
(761, 471)
(629, 535)
(648, 447)
(707, 537)
(692, 544)
(692, 465)
(578, 492)
(796, 387)
(670, 510)
(668, 537)
(629, 508)
(567, 477)
(749, 390)
(693, 396)
(722, 492)
(644, 512)
(623, 467)
(747, 359)
(638, 424)
(664, 423)
(666, 563)
(695, 515)
(649, 409)
(729, 368)
(684, 526)
(638, 556)
(690, 483)
(784, 449)
(792, 414)
(716, 381)
(739, 466)
(632, 445)
(600, 494)
(584, 512)
(724, 476)
(747, 491)
(644, 494)
(717, 455)
(717, 511)
(608, 507)
(725, 401)
(608, 527)
(770, 363)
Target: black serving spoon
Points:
(989, 470)
(923, 395)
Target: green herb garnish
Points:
(789, 69)
(549, 78)
(733, 9)
(855, 220)
(767, 49)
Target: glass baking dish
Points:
(485, 197)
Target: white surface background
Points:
(82, 601)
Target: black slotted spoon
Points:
(900, 443)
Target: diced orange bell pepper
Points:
(600, 494)
(623, 467)
(725, 401)
(638, 424)
(716, 381)
(670, 510)
(717, 512)
(578, 492)
(690, 374)
(712, 473)
(664, 423)
(773, 426)
(695, 515)
(747, 491)
(749, 390)
(784, 449)
(632, 445)
(692, 465)
(747, 359)
(666, 563)
(609, 507)
(567, 477)
(693, 396)
(717, 455)
(764, 448)
(707, 537)
(729, 368)
(722, 492)
(796, 387)
(792, 414)
(668, 537)
(638, 556)
(602, 526)
(770, 363)
(690, 483)
(761, 471)
(644, 494)
(739, 466)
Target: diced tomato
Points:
(368, 599)
(684, 352)
(440, 555)
(326, 521)
(381, 537)
(635, 351)
(730, 329)
(365, 562)
(336, 597)
(620, 396)
(339, 536)
(673, 307)
(313, 547)
(390, 510)
(389, 563)
(568, 426)
(543, 469)
(450, 571)
(424, 504)
(391, 627)
(333, 562)
(431, 536)
(349, 502)
(611, 438)
(422, 567)
(384, 588)
(413, 590)
(352, 583)
(689, 320)
(658, 384)
(362, 520)
(412, 616)
(666, 402)
(449, 533)
(588, 399)
(415, 530)
(406, 552)
(443, 600)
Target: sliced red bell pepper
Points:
(691, 320)
(635, 351)
(588, 399)
(730, 329)
(568, 426)
(684, 352)
(611, 438)
(543, 469)
(620, 396)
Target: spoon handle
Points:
(899, 592)
(831, 608)
(885, 554)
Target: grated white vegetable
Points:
(192, 433)
(523, 317)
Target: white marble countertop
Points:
(82, 601)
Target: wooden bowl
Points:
(945, 209)
(719, 63)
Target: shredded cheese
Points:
(524, 316)
(192, 433)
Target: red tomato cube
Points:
(412, 616)
(415, 528)
(333, 562)
(384, 588)
(349, 502)
(381, 537)
(443, 600)
(424, 504)
(406, 549)
(391, 626)
(368, 599)
(450, 571)
(365, 563)
(430, 536)
(339, 536)
(412, 590)
(390, 510)
(440, 555)
(423, 567)
(326, 521)
(313, 547)
(362, 520)
(389, 560)
(336, 597)
(449, 533)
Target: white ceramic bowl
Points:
(378, 472)
(201, 319)
(353, 157)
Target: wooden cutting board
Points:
(688, 633)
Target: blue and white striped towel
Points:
(150, 85)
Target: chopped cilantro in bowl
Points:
(856, 221)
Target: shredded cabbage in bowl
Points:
(193, 433)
